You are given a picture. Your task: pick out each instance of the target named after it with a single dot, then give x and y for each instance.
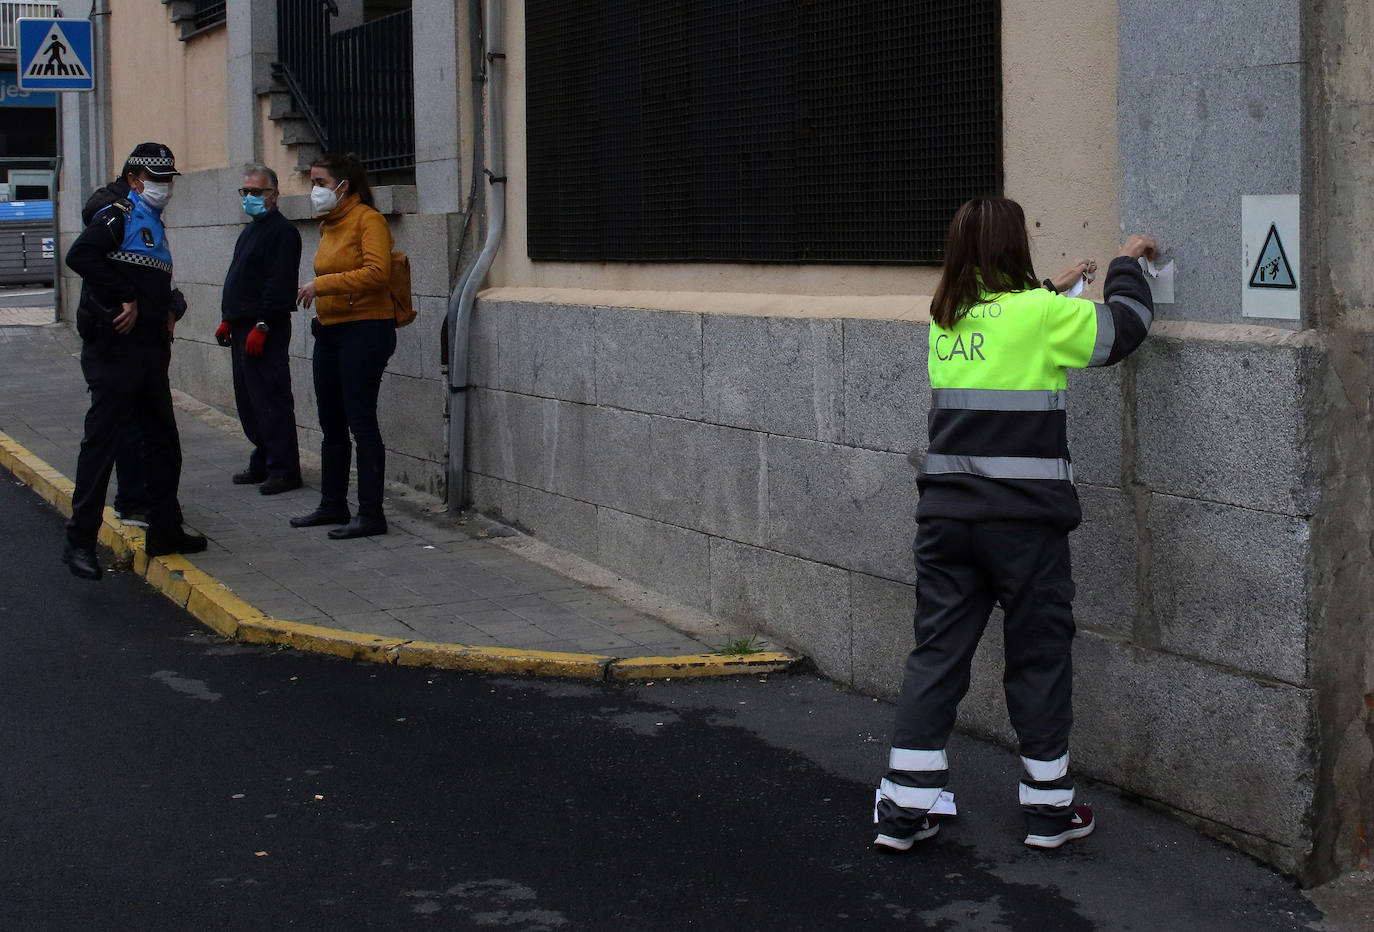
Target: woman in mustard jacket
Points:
(355, 335)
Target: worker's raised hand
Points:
(125, 319)
(1138, 245)
(1083, 268)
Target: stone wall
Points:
(756, 467)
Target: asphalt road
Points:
(154, 777)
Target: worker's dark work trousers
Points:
(128, 385)
(349, 361)
(262, 394)
(963, 569)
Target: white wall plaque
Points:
(1271, 257)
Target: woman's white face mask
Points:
(156, 193)
(324, 199)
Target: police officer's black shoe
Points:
(156, 545)
(248, 477)
(360, 526)
(325, 514)
(81, 561)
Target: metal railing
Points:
(355, 86)
(208, 13)
(11, 11)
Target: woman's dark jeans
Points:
(349, 361)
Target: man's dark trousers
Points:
(128, 384)
(262, 393)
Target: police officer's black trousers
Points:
(963, 569)
(128, 384)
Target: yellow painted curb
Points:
(212, 604)
(501, 660)
(645, 668)
(320, 640)
(216, 607)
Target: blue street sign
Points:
(55, 55)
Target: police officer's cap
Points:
(154, 158)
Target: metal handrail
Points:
(293, 84)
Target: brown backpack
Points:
(399, 285)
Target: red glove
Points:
(222, 333)
(256, 341)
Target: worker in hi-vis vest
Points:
(997, 503)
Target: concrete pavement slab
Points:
(466, 585)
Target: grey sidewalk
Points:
(430, 579)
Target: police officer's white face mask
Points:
(156, 193)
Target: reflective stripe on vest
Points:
(1000, 467)
(994, 399)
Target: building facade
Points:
(698, 355)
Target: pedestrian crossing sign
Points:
(55, 55)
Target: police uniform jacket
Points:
(998, 445)
(121, 256)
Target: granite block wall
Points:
(757, 468)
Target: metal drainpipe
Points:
(465, 295)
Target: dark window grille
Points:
(758, 130)
(355, 86)
(208, 13)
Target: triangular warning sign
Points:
(1272, 269)
(55, 58)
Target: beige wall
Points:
(166, 90)
(1061, 164)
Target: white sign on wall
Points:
(1271, 257)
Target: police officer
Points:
(125, 317)
(997, 502)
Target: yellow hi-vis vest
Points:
(998, 438)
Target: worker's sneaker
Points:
(1077, 824)
(927, 827)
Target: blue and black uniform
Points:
(997, 501)
(260, 287)
(123, 256)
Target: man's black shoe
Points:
(360, 526)
(322, 515)
(277, 484)
(248, 477)
(81, 561)
(180, 542)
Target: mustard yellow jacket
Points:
(353, 265)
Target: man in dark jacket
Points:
(259, 296)
(125, 316)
